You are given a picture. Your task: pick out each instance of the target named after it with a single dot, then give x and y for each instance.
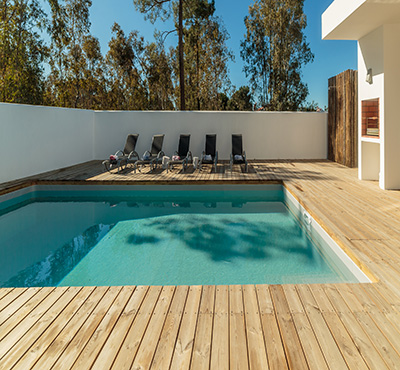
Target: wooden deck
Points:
(340, 326)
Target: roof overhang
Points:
(353, 19)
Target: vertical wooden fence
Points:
(343, 118)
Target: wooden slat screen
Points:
(342, 118)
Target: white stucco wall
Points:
(371, 55)
(380, 50)
(266, 135)
(38, 139)
(391, 134)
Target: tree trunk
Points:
(198, 75)
(181, 66)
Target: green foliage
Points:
(127, 89)
(274, 51)
(22, 51)
(240, 100)
(206, 58)
(133, 75)
(164, 9)
(158, 72)
(224, 99)
(75, 61)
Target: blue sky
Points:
(331, 57)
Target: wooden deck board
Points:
(65, 336)
(220, 339)
(277, 327)
(117, 336)
(187, 331)
(309, 342)
(255, 337)
(134, 336)
(202, 342)
(144, 356)
(368, 350)
(79, 342)
(237, 335)
(166, 344)
(46, 339)
(273, 342)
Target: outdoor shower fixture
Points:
(369, 76)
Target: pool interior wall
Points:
(181, 195)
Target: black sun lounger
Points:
(238, 155)
(154, 155)
(183, 156)
(122, 157)
(210, 155)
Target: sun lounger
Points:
(210, 155)
(182, 156)
(238, 156)
(153, 156)
(121, 157)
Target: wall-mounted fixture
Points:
(369, 76)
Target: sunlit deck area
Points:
(330, 326)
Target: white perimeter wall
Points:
(266, 135)
(36, 139)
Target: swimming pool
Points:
(164, 235)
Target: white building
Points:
(375, 24)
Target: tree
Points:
(206, 57)
(274, 51)
(158, 72)
(127, 90)
(164, 9)
(240, 100)
(22, 51)
(75, 56)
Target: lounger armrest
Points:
(160, 154)
(119, 152)
(201, 161)
(244, 155)
(189, 156)
(216, 157)
(133, 155)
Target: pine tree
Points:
(274, 51)
(164, 9)
(240, 100)
(206, 57)
(22, 51)
(127, 88)
(76, 62)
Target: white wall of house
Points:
(376, 26)
(370, 55)
(391, 133)
(37, 139)
(379, 158)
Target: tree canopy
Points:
(274, 51)
(68, 68)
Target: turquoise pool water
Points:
(170, 237)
